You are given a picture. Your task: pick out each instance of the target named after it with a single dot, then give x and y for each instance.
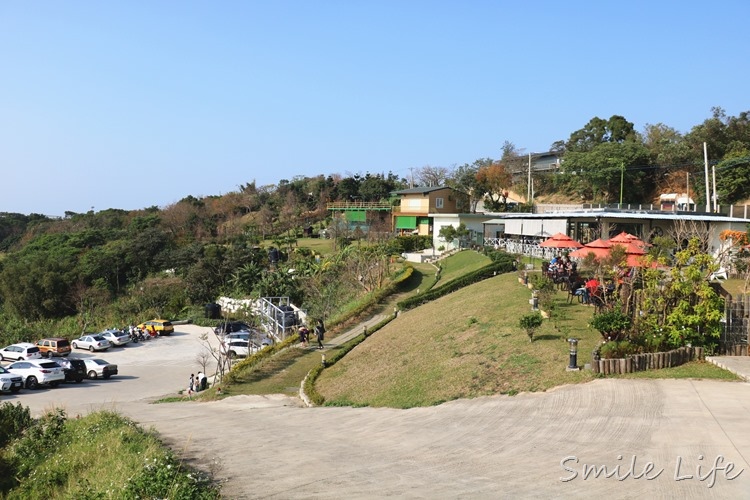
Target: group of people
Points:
(197, 383)
(304, 334)
(562, 266)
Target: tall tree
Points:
(432, 176)
(494, 181)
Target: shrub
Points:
(614, 349)
(612, 324)
(530, 323)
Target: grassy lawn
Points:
(734, 286)
(461, 263)
(283, 373)
(466, 344)
(320, 246)
(694, 369)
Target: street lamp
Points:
(573, 364)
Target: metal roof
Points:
(621, 214)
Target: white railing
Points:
(520, 248)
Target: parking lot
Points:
(146, 371)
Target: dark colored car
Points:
(75, 369)
(231, 327)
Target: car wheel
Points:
(20, 359)
(75, 346)
(92, 374)
(54, 384)
(106, 377)
(91, 348)
(79, 380)
(232, 354)
(32, 382)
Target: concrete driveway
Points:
(529, 445)
(508, 447)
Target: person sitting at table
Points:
(592, 289)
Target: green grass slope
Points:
(466, 344)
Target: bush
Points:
(614, 349)
(530, 323)
(14, 420)
(612, 324)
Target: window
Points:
(438, 202)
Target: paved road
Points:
(493, 447)
(147, 370)
(507, 447)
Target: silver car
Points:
(96, 368)
(92, 343)
(116, 337)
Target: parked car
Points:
(230, 327)
(237, 348)
(74, 369)
(92, 343)
(53, 346)
(10, 382)
(116, 337)
(96, 368)
(20, 352)
(36, 372)
(160, 326)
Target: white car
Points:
(238, 347)
(20, 351)
(92, 343)
(10, 382)
(38, 372)
(96, 368)
(116, 337)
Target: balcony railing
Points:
(358, 205)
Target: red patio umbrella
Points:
(560, 240)
(600, 248)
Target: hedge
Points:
(501, 265)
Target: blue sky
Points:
(129, 104)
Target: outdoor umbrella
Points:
(600, 248)
(560, 240)
(625, 238)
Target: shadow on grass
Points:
(547, 337)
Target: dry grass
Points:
(466, 344)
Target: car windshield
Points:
(33, 349)
(62, 343)
(99, 338)
(100, 362)
(49, 364)
(3, 370)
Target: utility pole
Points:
(687, 188)
(528, 190)
(705, 167)
(713, 175)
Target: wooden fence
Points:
(648, 361)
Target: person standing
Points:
(320, 331)
(191, 385)
(198, 378)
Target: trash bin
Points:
(212, 311)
